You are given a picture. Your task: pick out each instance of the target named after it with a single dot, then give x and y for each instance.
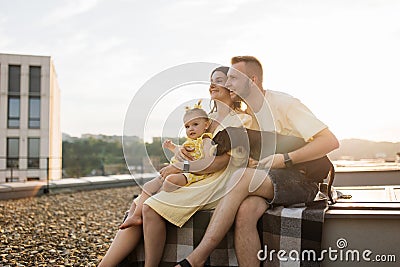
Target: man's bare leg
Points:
(224, 214)
(149, 189)
(154, 231)
(124, 243)
(247, 240)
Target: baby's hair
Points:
(196, 113)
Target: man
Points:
(253, 190)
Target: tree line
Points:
(105, 156)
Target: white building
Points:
(30, 134)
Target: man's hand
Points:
(170, 169)
(275, 161)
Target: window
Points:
(12, 152)
(14, 88)
(34, 112)
(14, 79)
(34, 80)
(34, 96)
(13, 111)
(33, 153)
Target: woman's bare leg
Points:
(149, 189)
(154, 230)
(124, 243)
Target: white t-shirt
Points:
(286, 115)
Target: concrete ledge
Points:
(37, 188)
(21, 190)
(5, 189)
(366, 177)
(70, 182)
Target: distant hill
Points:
(106, 138)
(357, 149)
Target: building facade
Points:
(30, 134)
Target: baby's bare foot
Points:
(131, 221)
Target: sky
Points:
(339, 57)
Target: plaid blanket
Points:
(287, 229)
(296, 232)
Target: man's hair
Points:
(253, 64)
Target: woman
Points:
(178, 206)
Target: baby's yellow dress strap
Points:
(209, 135)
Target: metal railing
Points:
(13, 164)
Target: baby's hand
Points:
(168, 144)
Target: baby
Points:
(199, 142)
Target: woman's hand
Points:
(275, 161)
(170, 169)
(184, 154)
(252, 163)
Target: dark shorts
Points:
(291, 187)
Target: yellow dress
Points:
(178, 206)
(197, 153)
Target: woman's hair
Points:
(213, 105)
(222, 69)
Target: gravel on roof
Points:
(73, 229)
